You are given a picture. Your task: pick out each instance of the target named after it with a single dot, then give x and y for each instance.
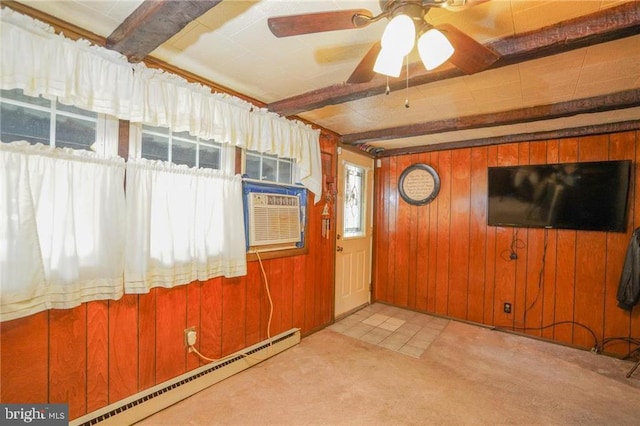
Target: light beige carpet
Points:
(467, 375)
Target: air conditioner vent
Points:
(273, 219)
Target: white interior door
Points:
(354, 228)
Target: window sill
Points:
(275, 254)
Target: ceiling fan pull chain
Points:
(387, 90)
(406, 100)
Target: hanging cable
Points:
(540, 275)
(406, 100)
(193, 349)
(512, 252)
(266, 286)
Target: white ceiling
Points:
(232, 46)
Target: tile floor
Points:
(397, 329)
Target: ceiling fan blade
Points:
(470, 56)
(308, 23)
(364, 71)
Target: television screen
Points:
(585, 196)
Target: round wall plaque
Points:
(419, 184)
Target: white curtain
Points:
(292, 139)
(61, 233)
(183, 225)
(41, 63)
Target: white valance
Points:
(273, 136)
(40, 62)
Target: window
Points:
(270, 168)
(354, 211)
(53, 252)
(39, 120)
(159, 143)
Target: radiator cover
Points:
(152, 400)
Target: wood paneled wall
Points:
(442, 258)
(101, 352)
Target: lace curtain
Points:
(41, 63)
(61, 233)
(183, 225)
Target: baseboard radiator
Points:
(152, 400)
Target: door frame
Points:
(369, 218)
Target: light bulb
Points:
(399, 35)
(389, 62)
(434, 49)
(397, 41)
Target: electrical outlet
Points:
(189, 336)
(507, 307)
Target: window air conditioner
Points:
(274, 219)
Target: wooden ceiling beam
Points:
(606, 25)
(153, 23)
(596, 129)
(613, 101)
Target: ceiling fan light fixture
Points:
(434, 49)
(397, 41)
(399, 35)
(388, 63)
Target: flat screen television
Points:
(584, 196)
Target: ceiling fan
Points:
(407, 23)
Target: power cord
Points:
(540, 276)
(512, 252)
(630, 340)
(193, 349)
(593, 335)
(598, 346)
